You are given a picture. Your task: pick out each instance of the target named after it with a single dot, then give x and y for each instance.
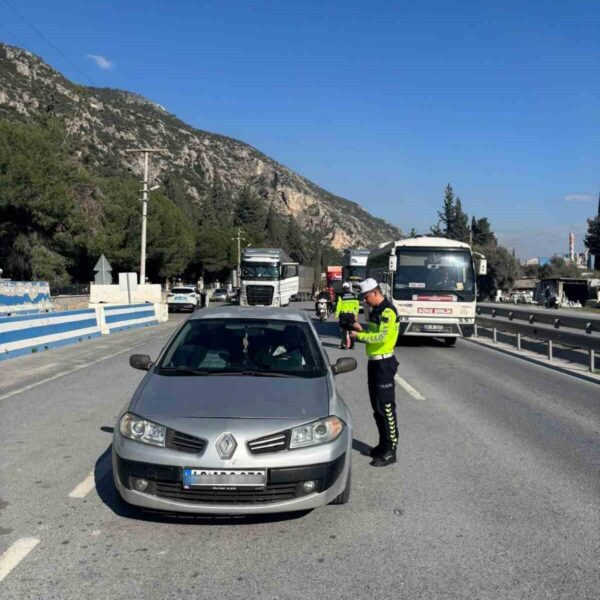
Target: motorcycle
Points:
(322, 309)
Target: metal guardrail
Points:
(589, 323)
(574, 331)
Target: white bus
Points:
(268, 277)
(432, 283)
(354, 264)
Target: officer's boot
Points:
(376, 450)
(388, 456)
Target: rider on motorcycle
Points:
(322, 295)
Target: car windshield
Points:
(220, 291)
(260, 271)
(243, 346)
(425, 272)
(181, 290)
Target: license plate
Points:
(224, 478)
(433, 327)
(181, 299)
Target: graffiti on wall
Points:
(18, 296)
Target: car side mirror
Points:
(140, 361)
(344, 365)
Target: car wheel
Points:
(450, 341)
(345, 495)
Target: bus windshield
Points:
(255, 270)
(434, 272)
(355, 273)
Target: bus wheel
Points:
(450, 341)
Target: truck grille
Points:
(259, 294)
(184, 442)
(275, 492)
(269, 443)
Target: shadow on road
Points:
(103, 477)
(361, 447)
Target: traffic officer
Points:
(380, 339)
(346, 310)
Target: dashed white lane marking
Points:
(15, 554)
(75, 369)
(84, 488)
(409, 388)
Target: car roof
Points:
(242, 312)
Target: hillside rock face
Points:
(102, 123)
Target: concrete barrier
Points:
(32, 333)
(24, 297)
(24, 334)
(127, 316)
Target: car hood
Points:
(232, 397)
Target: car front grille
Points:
(184, 442)
(269, 443)
(277, 492)
(259, 294)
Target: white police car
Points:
(183, 298)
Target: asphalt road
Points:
(496, 493)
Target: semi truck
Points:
(268, 277)
(333, 278)
(306, 282)
(354, 264)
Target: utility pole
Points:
(239, 239)
(146, 152)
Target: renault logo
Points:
(226, 446)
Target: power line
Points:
(49, 42)
(14, 36)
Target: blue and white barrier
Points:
(128, 316)
(32, 333)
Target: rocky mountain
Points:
(102, 123)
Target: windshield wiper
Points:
(254, 373)
(458, 294)
(184, 371)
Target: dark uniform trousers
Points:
(380, 379)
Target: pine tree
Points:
(592, 238)
(294, 244)
(274, 228)
(461, 225)
(482, 233)
(446, 225)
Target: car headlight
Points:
(141, 430)
(317, 432)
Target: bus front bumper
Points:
(435, 328)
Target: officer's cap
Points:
(366, 286)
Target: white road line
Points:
(15, 554)
(409, 388)
(82, 489)
(75, 369)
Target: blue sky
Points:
(380, 102)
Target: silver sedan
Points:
(239, 414)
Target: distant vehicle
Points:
(280, 441)
(269, 277)
(354, 264)
(220, 295)
(183, 298)
(432, 283)
(333, 278)
(306, 281)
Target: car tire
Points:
(450, 341)
(345, 495)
